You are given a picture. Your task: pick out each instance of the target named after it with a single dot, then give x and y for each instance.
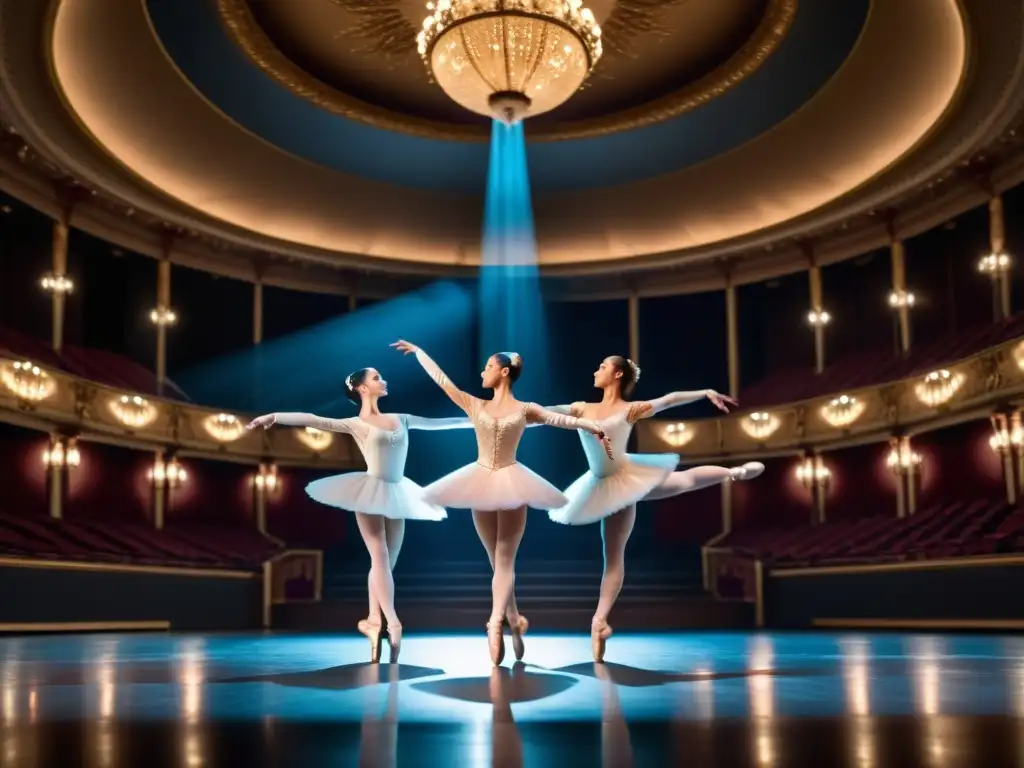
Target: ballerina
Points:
(496, 487)
(382, 497)
(609, 491)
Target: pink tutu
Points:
(592, 498)
(476, 487)
(359, 492)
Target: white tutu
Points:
(476, 487)
(593, 498)
(360, 492)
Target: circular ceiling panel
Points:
(686, 185)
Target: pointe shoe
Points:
(496, 641)
(394, 642)
(747, 471)
(600, 631)
(518, 630)
(373, 634)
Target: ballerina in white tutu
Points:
(496, 487)
(609, 491)
(381, 497)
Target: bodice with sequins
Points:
(497, 440)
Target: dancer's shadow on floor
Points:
(343, 678)
(510, 686)
(635, 677)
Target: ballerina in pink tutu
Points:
(609, 491)
(496, 487)
(381, 497)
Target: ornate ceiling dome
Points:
(706, 132)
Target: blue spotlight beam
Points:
(306, 370)
(512, 314)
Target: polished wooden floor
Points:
(694, 699)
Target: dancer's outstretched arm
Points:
(464, 400)
(537, 415)
(303, 420)
(434, 425)
(644, 409)
(563, 410)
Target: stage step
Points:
(554, 580)
(547, 615)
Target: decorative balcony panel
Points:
(89, 408)
(986, 380)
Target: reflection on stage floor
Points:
(661, 700)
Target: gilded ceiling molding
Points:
(244, 30)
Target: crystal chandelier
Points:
(509, 59)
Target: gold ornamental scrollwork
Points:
(247, 34)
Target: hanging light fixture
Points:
(509, 59)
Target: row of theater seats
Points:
(197, 546)
(956, 529)
(879, 366)
(93, 364)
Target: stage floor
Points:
(694, 699)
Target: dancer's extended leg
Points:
(615, 531)
(696, 478)
(382, 585)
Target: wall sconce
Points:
(815, 477)
(995, 264)
(842, 411)
(939, 387)
(315, 439)
(163, 317)
(133, 411)
(62, 453)
(1007, 441)
(266, 479)
(1018, 355)
(27, 381)
(900, 299)
(678, 434)
(905, 464)
(169, 474)
(812, 472)
(902, 459)
(819, 318)
(57, 284)
(223, 427)
(760, 426)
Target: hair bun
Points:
(348, 383)
(515, 359)
(635, 368)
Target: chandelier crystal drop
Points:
(509, 59)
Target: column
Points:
(732, 340)
(162, 319)
(260, 497)
(726, 507)
(158, 487)
(57, 282)
(634, 327)
(900, 299)
(997, 238)
(353, 301)
(818, 317)
(55, 471)
(257, 312)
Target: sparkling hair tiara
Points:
(515, 359)
(348, 383)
